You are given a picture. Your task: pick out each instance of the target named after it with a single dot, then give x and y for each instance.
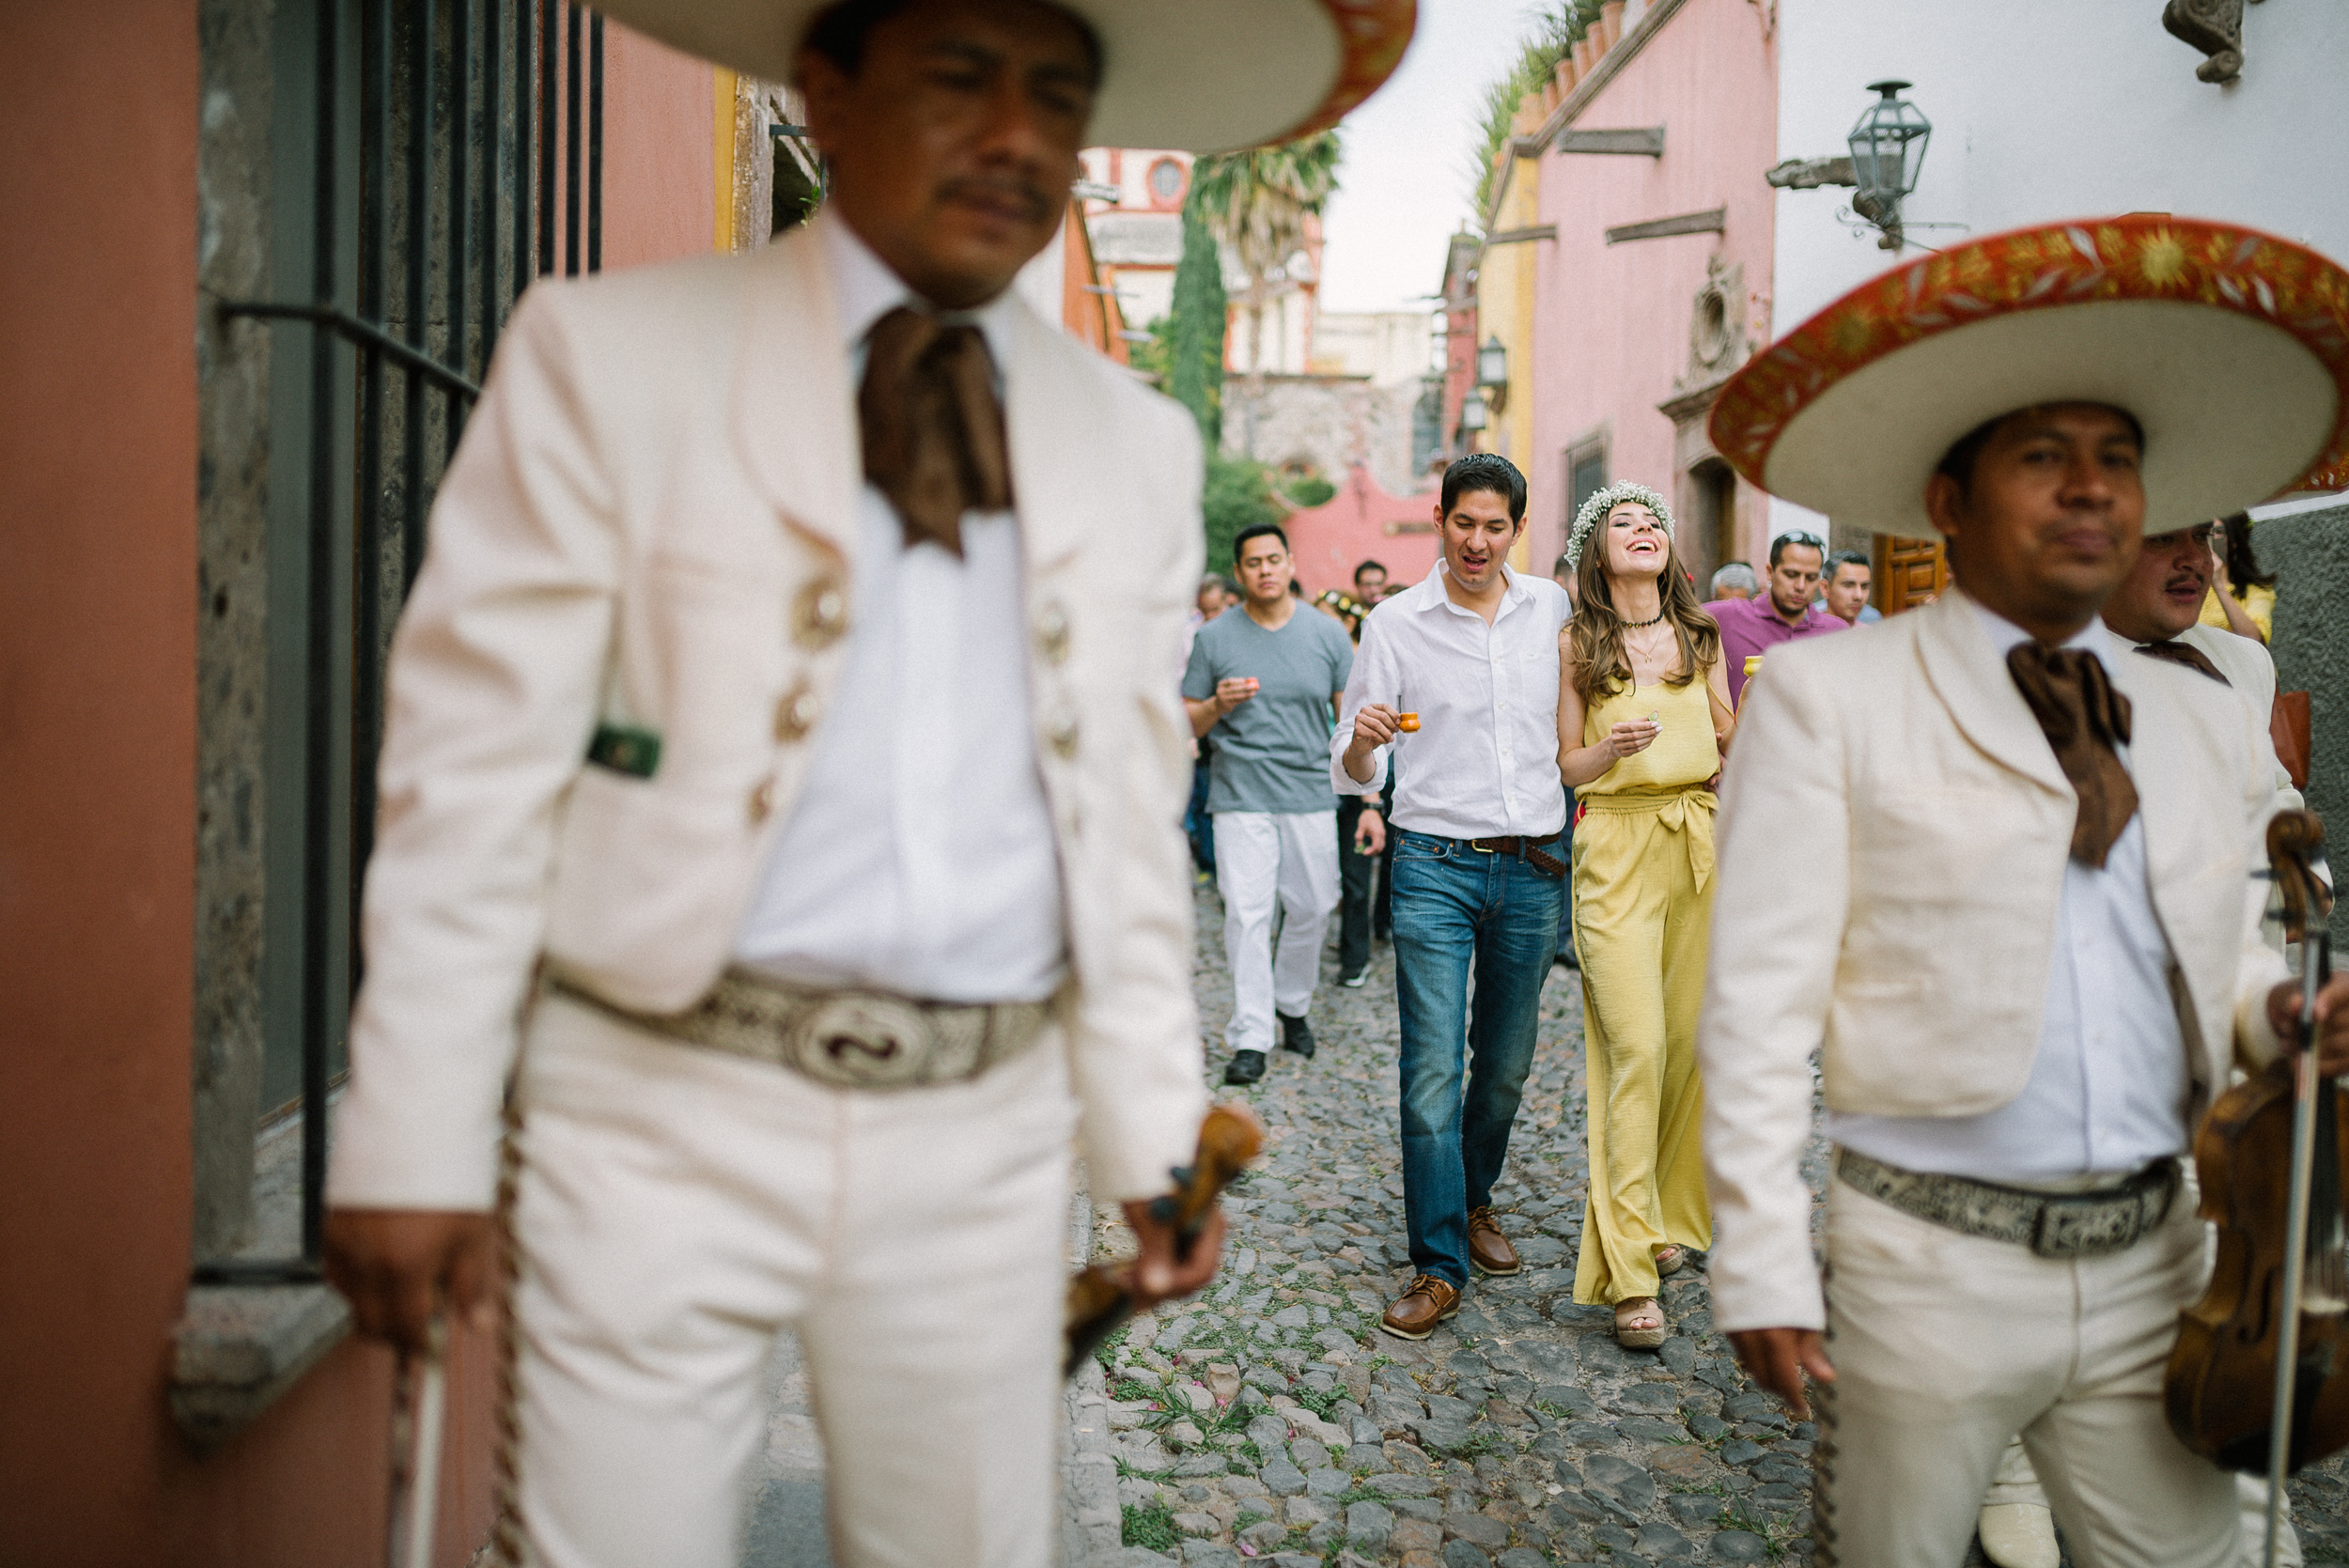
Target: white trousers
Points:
(678, 1206)
(2014, 1484)
(1260, 858)
(1945, 1345)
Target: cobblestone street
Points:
(1271, 1420)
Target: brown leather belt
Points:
(1527, 849)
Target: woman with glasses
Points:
(1643, 712)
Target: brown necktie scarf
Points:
(2174, 652)
(2084, 720)
(933, 428)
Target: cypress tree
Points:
(1194, 375)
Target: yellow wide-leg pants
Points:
(1642, 913)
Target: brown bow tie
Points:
(933, 429)
(2084, 720)
(2175, 652)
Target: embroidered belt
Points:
(845, 1038)
(2052, 1224)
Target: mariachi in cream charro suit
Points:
(1915, 957)
(651, 522)
(1914, 953)
(654, 522)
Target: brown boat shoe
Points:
(1488, 1249)
(1428, 1302)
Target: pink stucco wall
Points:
(660, 186)
(1611, 321)
(1332, 539)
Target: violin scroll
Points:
(2295, 843)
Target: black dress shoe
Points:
(1247, 1066)
(1296, 1035)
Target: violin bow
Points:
(419, 1421)
(2295, 839)
(1101, 1296)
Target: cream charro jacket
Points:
(1892, 843)
(649, 523)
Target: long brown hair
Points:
(1594, 636)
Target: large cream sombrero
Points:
(1199, 75)
(2229, 346)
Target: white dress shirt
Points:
(2109, 1087)
(1484, 761)
(920, 858)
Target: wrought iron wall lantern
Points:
(1492, 375)
(1492, 362)
(1473, 415)
(1887, 146)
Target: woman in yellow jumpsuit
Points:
(1643, 714)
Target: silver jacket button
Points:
(1051, 633)
(797, 713)
(820, 615)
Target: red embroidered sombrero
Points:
(1199, 75)
(2229, 346)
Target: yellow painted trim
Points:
(721, 160)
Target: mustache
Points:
(1037, 201)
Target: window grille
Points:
(448, 143)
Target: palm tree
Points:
(1257, 202)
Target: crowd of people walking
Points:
(1540, 762)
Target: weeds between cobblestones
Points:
(1270, 1422)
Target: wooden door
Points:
(1908, 572)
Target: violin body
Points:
(2221, 1385)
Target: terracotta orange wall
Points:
(660, 124)
(97, 748)
(98, 444)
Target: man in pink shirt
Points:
(1779, 615)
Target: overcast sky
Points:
(1404, 187)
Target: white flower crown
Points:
(1605, 502)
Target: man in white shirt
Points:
(2027, 958)
(1455, 688)
(780, 792)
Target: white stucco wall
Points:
(2043, 112)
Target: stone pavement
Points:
(1270, 1420)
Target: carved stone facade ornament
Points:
(1716, 324)
(2213, 27)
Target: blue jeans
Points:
(1197, 825)
(1457, 909)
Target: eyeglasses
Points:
(1799, 538)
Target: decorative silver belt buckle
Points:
(2078, 1227)
(860, 1040)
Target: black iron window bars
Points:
(454, 154)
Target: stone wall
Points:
(234, 217)
(2308, 553)
(1331, 422)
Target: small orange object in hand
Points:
(1406, 720)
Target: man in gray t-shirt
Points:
(1265, 680)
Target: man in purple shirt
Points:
(1779, 615)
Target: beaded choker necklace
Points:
(1636, 626)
